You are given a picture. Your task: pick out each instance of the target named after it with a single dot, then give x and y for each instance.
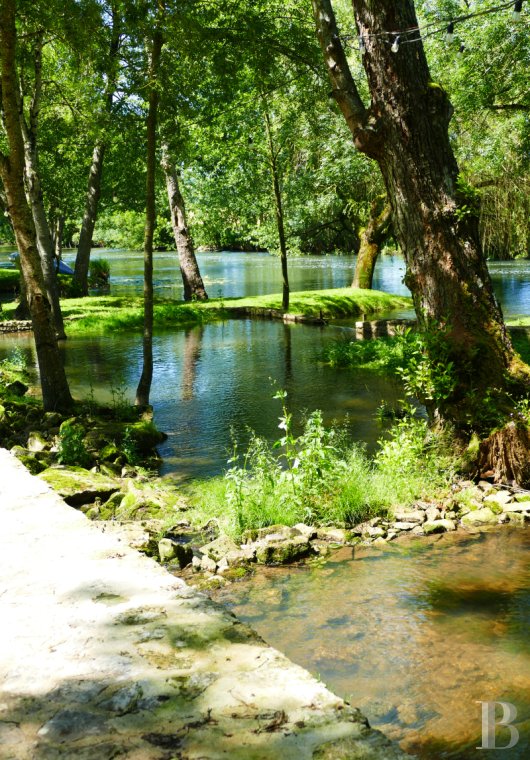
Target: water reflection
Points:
(414, 636)
(220, 377)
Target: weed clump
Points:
(320, 478)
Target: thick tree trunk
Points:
(84, 248)
(144, 386)
(372, 237)
(189, 269)
(36, 198)
(405, 130)
(55, 390)
(273, 163)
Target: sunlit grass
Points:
(104, 314)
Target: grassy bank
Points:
(104, 314)
(320, 478)
(9, 280)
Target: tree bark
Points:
(189, 269)
(95, 173)
(273, 163)
(55, 390)
(405, 129)
(35, 195)
(144, 386)
(93, 194)
(372, 237)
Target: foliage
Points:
(99, 273)
(320, 479)
(420, 360)
(71, 448)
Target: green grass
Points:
(379, 355)
(337, 302)
(325, 481)
(104, 314)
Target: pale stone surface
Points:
(104, 654)
(483, 516)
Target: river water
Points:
(415, 635)
(212, 380)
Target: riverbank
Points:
(104, 314)
(108, 655)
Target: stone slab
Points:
(104, 654)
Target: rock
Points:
(283, 552)
(484, 516)
(145, 436)
(414, 516)
(485, 486)
(70, 725)
(168, 550)
(196, 564)
(37, 442)
(373, 531)
(52, 419)
(515, 517)
(306, 530)
(17, 388)
(131, 533)
(336, 535)
(78, 486)
(438, 526)
(514, 507)
(418, 530)
(208, 565)
(322, 548)
(433, 514)
(123, 701)
(499, 498)
(521, 497)
(241, 557)
(404, 525)
(379, 541)
(219, 548)
(31, 463)
(276, 533)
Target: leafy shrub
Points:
(72, 448)
(99, 273)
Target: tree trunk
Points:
(95, 173)
(405, 130)
(82, 260)
(144, 386)
(372, 237)
(273, 163)
(55, 390)
(36, 199)
(189, 269)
